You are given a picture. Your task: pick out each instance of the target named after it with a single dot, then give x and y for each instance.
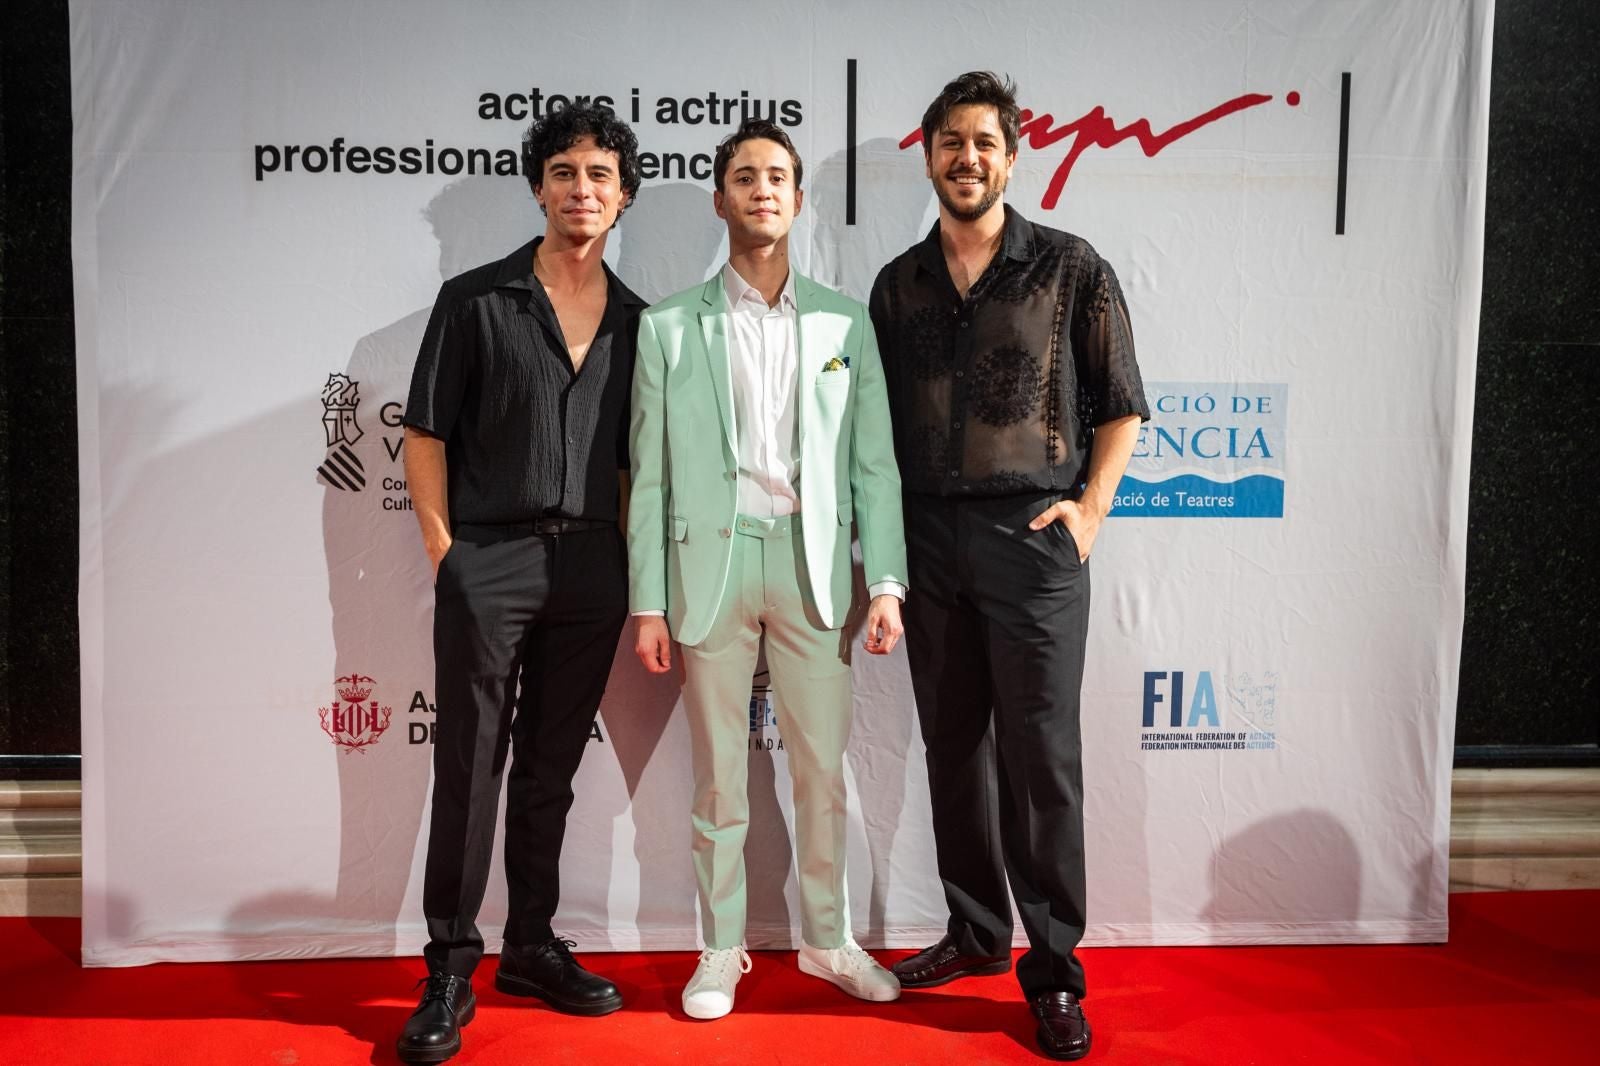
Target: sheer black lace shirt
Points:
(999, 393)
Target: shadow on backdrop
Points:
(1259, 874)
(671, 239)
(379, 581)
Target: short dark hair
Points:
(560, 129)
(975, 87)
(753, 129)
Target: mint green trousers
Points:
(767, 595)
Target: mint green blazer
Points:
(682, 447)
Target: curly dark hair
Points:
(753, 129)
(975, 87)
(559, 130)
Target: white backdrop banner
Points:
(267, 196)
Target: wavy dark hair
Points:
(559, 130)
(975, 87)
(753, 129)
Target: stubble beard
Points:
(991, 196)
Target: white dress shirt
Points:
(763, 361)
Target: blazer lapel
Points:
(714, 331)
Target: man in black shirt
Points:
(1016, 403)
(516, 431)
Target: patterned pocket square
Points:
(836, 363)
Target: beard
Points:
(991, 195)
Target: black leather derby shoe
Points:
(943, 963)
(433, 1032)
(1063, 1030)
(549, 972)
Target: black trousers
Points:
(524, 629)
(996, 624)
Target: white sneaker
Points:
(709, 993)
(852, 969)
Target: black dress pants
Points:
(996, 624)
(525, 626)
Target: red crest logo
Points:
(354, 722)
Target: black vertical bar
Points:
(850, 143)
(1344, 148)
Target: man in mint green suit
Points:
(760, 436)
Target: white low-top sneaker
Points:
(709, 993)
(852, 969)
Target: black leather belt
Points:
(489, 532)
(565, 525)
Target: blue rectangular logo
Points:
(1210, 450)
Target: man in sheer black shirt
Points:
(1016, 403)
(516, 430)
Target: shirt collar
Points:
(1016, 243)
(516, 269)
(516, 272)
(739, 290)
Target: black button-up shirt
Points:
(524, 436)
(999, 394)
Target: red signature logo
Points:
(1099, 130)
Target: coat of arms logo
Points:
(354, 722)
(342, 468)
(1255, 701)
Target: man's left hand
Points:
(1081, 521)
(884, 627)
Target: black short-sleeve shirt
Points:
(999, 393)
(524, 436)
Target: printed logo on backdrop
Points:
(343, 467)
(1184, 711)
(354, 722)
(1096, 129)
(1210, 450)
(762, 716)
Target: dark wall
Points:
(38, 405)
(1532, 637)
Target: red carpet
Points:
(1519, 982)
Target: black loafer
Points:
(943, 963)
(1063, 1030)
(549, 972)
(433, 1032)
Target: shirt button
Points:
(725, 532)
(956, 425)
(961, 373)
(965, 323)
(955, 473)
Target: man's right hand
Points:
(436, 554)
(426, 476)
(654, 643)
